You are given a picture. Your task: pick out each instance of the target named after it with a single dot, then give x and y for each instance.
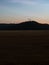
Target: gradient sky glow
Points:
(16, 11)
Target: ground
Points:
(24, 47)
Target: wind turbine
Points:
(29, 19)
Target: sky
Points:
(17, 11)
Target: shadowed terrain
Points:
(24, 47)
(27, 44)
(27, 25)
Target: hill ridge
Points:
(27, 25)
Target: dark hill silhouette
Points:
(28, 25)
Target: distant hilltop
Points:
(27, 25)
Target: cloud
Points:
(30, 2)
(27, 2)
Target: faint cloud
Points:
(27, 2)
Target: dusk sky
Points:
(16, 11)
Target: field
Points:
(24, 47)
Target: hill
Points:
(27, 25)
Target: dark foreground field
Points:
(24, 47)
